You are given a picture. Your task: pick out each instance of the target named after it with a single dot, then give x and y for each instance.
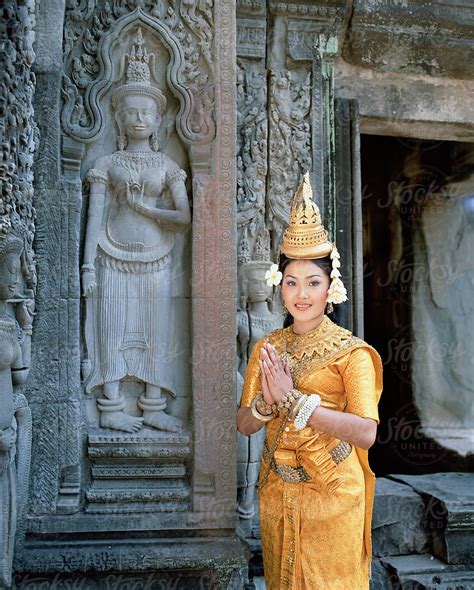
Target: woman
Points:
(316, 388)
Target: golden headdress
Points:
(306, 238)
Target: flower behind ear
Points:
(273, 276)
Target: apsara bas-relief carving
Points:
(16, 319)
(185, 31)
(255, 319)
(138, 203)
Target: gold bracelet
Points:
(263, 407)
(287, 401)
(297, 406)
(256, 413)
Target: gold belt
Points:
(299, 474)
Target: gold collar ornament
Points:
(306, 238)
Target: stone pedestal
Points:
(145, 472)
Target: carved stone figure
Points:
(255, 322)
(15, 347)
(138, 202)
(443, 375)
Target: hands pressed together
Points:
(275, 374)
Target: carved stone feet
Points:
(112, 416)
(155, 416)
(162, 421)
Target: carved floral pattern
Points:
(252, 134)
(290, 146)
(18, 131)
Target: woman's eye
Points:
(291, 283)
(314, 283)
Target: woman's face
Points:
(139, 116)
(304, 290)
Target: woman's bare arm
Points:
(247, 424)
(354, 429)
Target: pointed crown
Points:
(305, 236)
(138, 76)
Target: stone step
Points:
(426, 572)
(398, 520)
(449, 512)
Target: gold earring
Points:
(329, 308)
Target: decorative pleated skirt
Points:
(130, 321)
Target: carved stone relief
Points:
(255, 320)
(138, 202)
(184, 29)
(17, 270)
(290, 144)
(252, 156)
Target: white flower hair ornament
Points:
(273, 276)
(337, 293)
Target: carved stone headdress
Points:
(138, 76)
(10, 243)
(306, 238)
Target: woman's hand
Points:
(135, 196)
(276, 377)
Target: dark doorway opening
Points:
(400, 178)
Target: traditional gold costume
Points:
(316, 492)
(316, 529)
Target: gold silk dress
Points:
(316, 495)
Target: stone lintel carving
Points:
(251, 37)
(442, 45)
(147, 472)
(327, 11)
(251, 7)
(147, 557)
(72, 153)
(306, 40)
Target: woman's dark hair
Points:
(325, 264)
